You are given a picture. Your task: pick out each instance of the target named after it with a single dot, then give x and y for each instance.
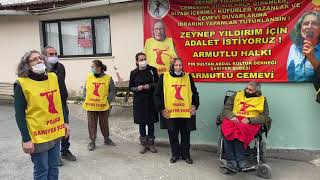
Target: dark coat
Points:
(60, 71)
(159, 103)
(144, 111)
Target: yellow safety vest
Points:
(248, 107)
(177, 95)
(44, 113)
(160, 53)
(97, 92)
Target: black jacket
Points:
(144, 111)
(60, 71)
(159, 103)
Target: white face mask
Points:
(142, 63)
(39, 68)
(53, 60)
(178, 73)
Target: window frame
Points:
(92, 19)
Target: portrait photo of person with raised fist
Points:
(305, 47)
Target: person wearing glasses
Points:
(143, 81)
(40, 114)
(159, 49)
(243, 114)
(55, 66)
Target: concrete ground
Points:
(123, 161)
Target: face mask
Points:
(94, 71)
(142, 63)
(178, 73)
(39, 68)
(249, 95)
(53, 60)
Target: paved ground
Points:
(124, 161)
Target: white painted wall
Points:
(17, 35)
(21, 33)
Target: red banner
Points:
(233, 40)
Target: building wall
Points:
(293, 108)
(19, 34)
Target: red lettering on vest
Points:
(96, 88)
(178, 91)
(50, 95)
(245, 106)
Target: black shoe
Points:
(91, 146)
(189, 160)
(174, 159)
(60, 163)
(68, 156)
(109, 142)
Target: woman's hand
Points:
(146, 86)
(140, 88)
(235, 119)
(165, 113)
(245, 121)
(68, 129)
(28, 147)
(308, 49)
(193, 110)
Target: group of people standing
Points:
(174, 96)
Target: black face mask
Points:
(249, 95)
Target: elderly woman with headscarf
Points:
(39, 114)
(177, 98)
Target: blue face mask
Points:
(94, 71)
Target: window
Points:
(78, 37)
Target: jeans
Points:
(142, 130)
(45, 164)
(234, 150)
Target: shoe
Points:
(144, 147)
(189, 160)
(243, 165)
(68, 156)
(232, 164)
(60, 163)
(151, 147)
(109, 142)
(174, 159)
(91, 146)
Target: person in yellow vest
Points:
(98, 92)
(159, 49)
(243, 114)
(177, 98)
(39, 115)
